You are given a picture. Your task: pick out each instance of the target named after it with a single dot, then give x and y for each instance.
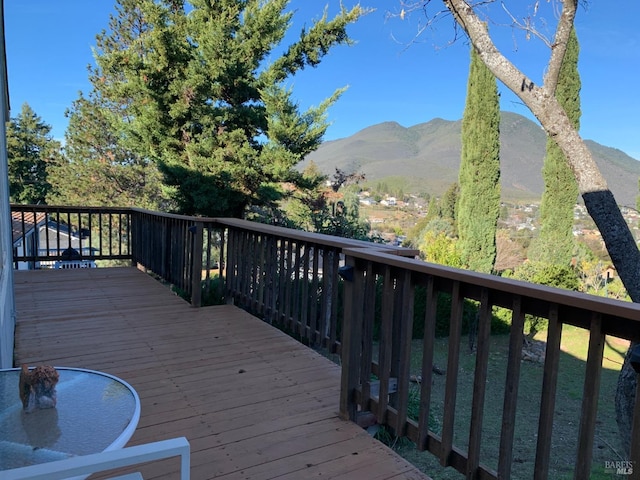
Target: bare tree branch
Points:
(559, 47)
(598, 199)
(540, 100)
(528, 25)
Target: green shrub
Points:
(212, 291)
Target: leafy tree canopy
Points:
(97, 170)
(478, 205)
(555, 242)
(199, 88)
(328, 205)
(31, 151)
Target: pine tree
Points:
(479, 178)
(31, 150)
(97, 170)
(555, 242)
(202, 94)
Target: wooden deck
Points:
(254, 403)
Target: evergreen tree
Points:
(448, 205)
(479, 201)
(555, 242)
(97, 170)
(31, 151)
(329, 206)
(200, 92)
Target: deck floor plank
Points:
(254, 403)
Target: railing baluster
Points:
(25, 248)
(548, 400)
(100, 234)
(288, 299)
(282, 279)
(295, 307)
(235, 244)
(263, 266)
(369, 301)
(271, 279)
(79, 234)
(590, 395)
(254, 271)
(479, 384)
(428, 344)
(316, 338)
(406, 290)
(386, 335)
(328, 280)
(634, 449)
(247, 261)
(58, 220)
(334, 286)
(46, 230)
(451, 385)
(68, 229)
(196, 269)
(511, 390)
(305, 330)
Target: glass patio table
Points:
(95, 412)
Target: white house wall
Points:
(7, 304)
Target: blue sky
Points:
(392, 75)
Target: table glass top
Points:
(94, 412)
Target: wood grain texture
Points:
(253, 402)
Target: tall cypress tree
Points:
(555, 242)
(479, 177)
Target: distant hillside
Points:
(428, 156)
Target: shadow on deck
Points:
(253, 402)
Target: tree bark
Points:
(599, 200)
(625, 401)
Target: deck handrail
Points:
(331, 292)
(401, 280)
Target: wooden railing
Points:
(290, 277)
(335, 292)
(44, 234)
(376, 375)
(169, 246)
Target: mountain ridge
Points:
(427, 155)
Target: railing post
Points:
(222, 265)
(351, 339)
(196, 264)
(634, 453)
(134, 237)
(591, 390)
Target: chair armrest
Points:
(97, 462)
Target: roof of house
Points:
(23, 222)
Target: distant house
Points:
(33, 234)
(367, 201)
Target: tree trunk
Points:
(625, 401)
(593, 188)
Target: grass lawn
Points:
(568, 404)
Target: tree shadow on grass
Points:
(564, 441)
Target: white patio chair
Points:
(66, 264)
(98, 462)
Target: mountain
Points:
(427, 157)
